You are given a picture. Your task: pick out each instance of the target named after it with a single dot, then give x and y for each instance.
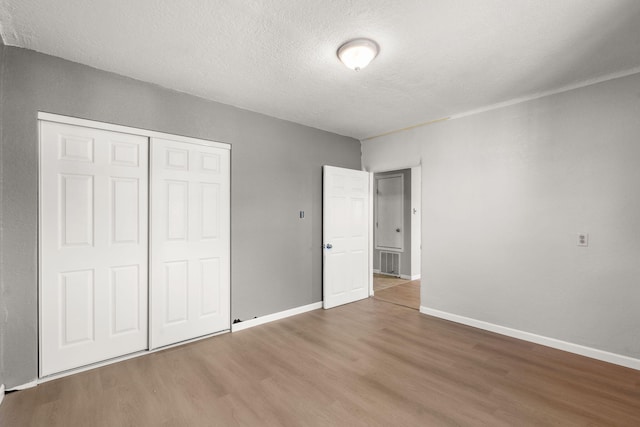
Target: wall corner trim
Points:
(1, 393)
(593, 353)
(275, 316)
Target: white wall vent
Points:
(390, 263)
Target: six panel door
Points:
(190, 241)
(345, 234)
(389, 212)
(93, 245)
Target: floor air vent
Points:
(390, 263)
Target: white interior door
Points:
(190, 241)
(345, 221)
(93, 245)
(389, 212)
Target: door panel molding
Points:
(94, 192)
(93, 246)
(346, 235)
(190, 241)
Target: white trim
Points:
(25, 386)
(593, 353)
(39, 260)
(545, 93)
(415, 240)
(371, 242)
(275, 316)
(390, 275)
(375, 270)
(1, 393)
(514, 101)
(409, 277)
(57, 118)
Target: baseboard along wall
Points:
(593, 353)
(402, 276)
(275, 316)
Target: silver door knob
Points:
(397, 230)
(329, 246)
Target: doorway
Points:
(397, 237)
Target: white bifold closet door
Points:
(190, 241)
(93, 245)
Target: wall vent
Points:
(390, 263)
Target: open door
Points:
(345, 221)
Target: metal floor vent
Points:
(390, 263)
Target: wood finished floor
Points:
(382, 281)
(369, 363)
(406, 294)
(397, 291)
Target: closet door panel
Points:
(93, 245)
(190, 251)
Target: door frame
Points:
(58, 118)
(372, 218)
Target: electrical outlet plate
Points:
(582, 239)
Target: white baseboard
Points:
(1, 393)
(275, 316)
(376, 271)
(25, 386)
(593, 353)
(402, 276)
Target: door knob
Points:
(328, 246)
(397, 230)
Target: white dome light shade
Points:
(358, 53)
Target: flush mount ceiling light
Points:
(357, 54)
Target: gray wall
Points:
(276, 259)
(405, 255)
(504, 194)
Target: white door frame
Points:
(372, 218)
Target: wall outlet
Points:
(583, 239)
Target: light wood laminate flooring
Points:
(397, 291)
(406, 294)
(382, 281)
(368, 363)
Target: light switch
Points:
(583, 239)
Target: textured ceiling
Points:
(437, 58)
